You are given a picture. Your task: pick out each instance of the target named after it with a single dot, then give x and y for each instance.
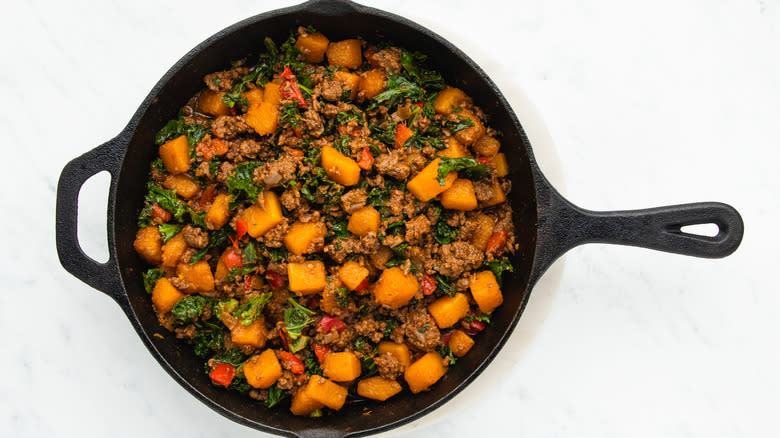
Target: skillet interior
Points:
(185, 79)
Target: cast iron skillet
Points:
(547, 224)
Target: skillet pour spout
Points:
(547, 225)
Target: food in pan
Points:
(327, 221)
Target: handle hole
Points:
(93, 205)
(709, 230)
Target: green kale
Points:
(189, 309)
(168, 200)
(499, 266)
(158, 164)
(468, 166)
(276, 255)
(150, 278)
(343, 118)
(216, 240)
(445, 352)
(169, 230)
(209, 337)
(398, 88)
(342, 297)
(369, 366)
(234, 273)
(341, 144)
(312, 366)
(385, 135)
(460, 125)
(176, 127)
(296, 318)
(251, 309)
(241, 181)
(275, 396)
(444, 233)
(234, 357)
(413, 64)
(445, 286)
(261, 73)
(290, 115)
(481, 318)
(239, 384)
(250, 253)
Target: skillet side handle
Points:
(101, 276)
(563, 226)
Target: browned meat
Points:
(388, 59)
(353, 200)
(392, 164)
(277, 172)
(389, 366)
(229, 127)
(224, 80)
(458, 257)
(483, 190)
(417, 229)
(195, 236)
(370, 328)
(420, 330)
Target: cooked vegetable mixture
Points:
(325, 222)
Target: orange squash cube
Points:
(263, 117)
(372, 82)
(447, 311)
(345, 54)
(487, 146)
(363, 221)
(343, 366)
(425, 186)
(307, 278)
(395, 288)
(175, 155)
(471, 134)
(303, 404)
(424, 372)
(182, 184)
(448, 99)
(340, 168)
(378, 388)
(326, 392)
(312, 46)
(221, 270)
(219, 212)
(262, 370)
(460, 343)
(352, 274)
(460, 196)
(400, 351)
(498, 197)
(172, 250)
(483, 231)
(499, 163)
(350, 81)
(253, 96)
(198, 276)
(301, 235)
(485, 291)
(454, 149)
(210, 102)
(272, 93)
(253, 334)
(148, 244)
(165, 295)
(260, 219)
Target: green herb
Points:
(251, 309)
(296, 318)
(214, 166)
(445, 352)
(444, 233)
(398, 88)
(343, 118)
(277, 255)
(385, 135)
(312, 367)
(338, 229)
(317, 413)
(369, 366)
(260, 74)
(299, 344)
(239, 384)
(250, 253)
(208, 338)
(424, 328)
(390, 325)
(275, 396)
(341, 144)
(150, 278)
(342, 297)
(445, 286)
(499, 266)
(168, 200)
(361, 342)
(241, 181)
(481, 318)
(378, 197)
(400, 249)
(234, 357)
(290, 115)
(413, 64)
(469, 166)
(234, 273)
(216, 239)
(169, 230)
(394, 228)
(189, 309)
(158, 164)
(224, 306)
(176, 127)
(460, 125)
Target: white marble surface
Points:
(646, 103)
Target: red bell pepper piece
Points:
(362, 286)
(321, 351)
(248, 282)
(402, 134)
(274, 279)
(497, 243)
(295, 364)
(223, 374)
(233, 259)
(328, 322)
(241, 228)
(483, 160)
(366, 159)
(159, 214)
(472, 327)
(428, 285)
(290, 89)
(419, 104)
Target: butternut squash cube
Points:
(395, 288)
(184, 186)
(301, 235)
(460, 343)
(471, 134)
(263, 117)
(175, 155)
(498, 196)
(487, 146)
(272, 93)
(253, 96)
(424, 372)
(483, 231)
(253, 334)
(198, 276)
(165, 295)
(307, 278)
(172, 250)
(424, 186)
(260, 219)
(326, 392)
(349, 81)
(447, 311)
(148, 244)
(345, 54)
(363, 221)
(378, 388)
(262, 370)
(210, 102)
(448, 99)
(454, 149)
(343, 366)
(485, 291)
(329, 301)
(400, 351)
(340, 168)
(219, 212)
(312, 46)
(352, 274)
(499, 163)
(303, 404)
(372, 82)
(460, 196)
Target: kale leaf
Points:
(444, 233)
(234, 357)
(169, 230)
(398, 88)
(208, 338)
(499, 266)
(150, 278)
(251, 309)
(468, 166)
(275, 396)
(445, 352)
(176, 127)
(241, 181)
(296, 318)
(189, 309)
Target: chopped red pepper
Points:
(233, 259)
(159, 214)
(402, 134)
(497, 243)
(472, 327)
(274, 279)
(206, 196)
(248, 282)
(295, 365)
(419, 104)
(428, 285)
(362, 286)
(290, 89)
(241, 228)
(321, 351)
(329, 322)
(222, 374)
(484, 160)
(366, 159)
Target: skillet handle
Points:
(563, 226)
(102, 276)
